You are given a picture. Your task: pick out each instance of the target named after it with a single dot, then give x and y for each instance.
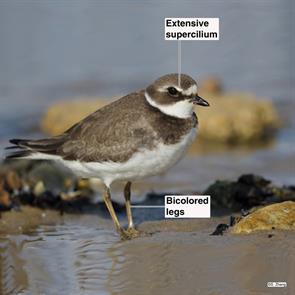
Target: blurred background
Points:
(55, 51)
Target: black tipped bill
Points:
(200, 101)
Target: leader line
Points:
(179, 62)
(147, 206)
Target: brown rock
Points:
(237, 118)
(2, 183)
(61, 116)
(13, 180)
(211, 85)
(5, 201)
(276, 216)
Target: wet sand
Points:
(43, 252)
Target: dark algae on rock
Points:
(220, 229)
(248, 191)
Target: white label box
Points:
(276, 284)
(191, 28)
(187, 206)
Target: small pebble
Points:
(5, 201)
(15, 192)
(70, 195)
(26, 188)
(39, 188)
(68, 183)
(82, 184)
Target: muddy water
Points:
(82, 255)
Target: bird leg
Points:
(131, 231)
(128, 205)
(109, 205)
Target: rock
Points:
(13, 181)
(63, 115)
(248, 191)
(5, 199)
(39, 188)
(68, 184)
(237, 118)
(47, 200)
(26, 197)
(233, 118)
(83, 184)
(70, 195)
(275, 216)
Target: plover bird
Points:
(141, 134)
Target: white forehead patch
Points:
(193, 90)
(180, 109)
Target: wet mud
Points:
(43, 252)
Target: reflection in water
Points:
(13, 277)
(57, 261)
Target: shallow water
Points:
(77, 258)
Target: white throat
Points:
(180, 109)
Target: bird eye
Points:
(172, 91)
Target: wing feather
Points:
(112, 133)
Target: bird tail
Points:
(26, 148)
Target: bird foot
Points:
(129, 234)
(133, 233)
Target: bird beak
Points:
(199, 101)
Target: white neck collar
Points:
(181, 109)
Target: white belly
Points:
(142, 164)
